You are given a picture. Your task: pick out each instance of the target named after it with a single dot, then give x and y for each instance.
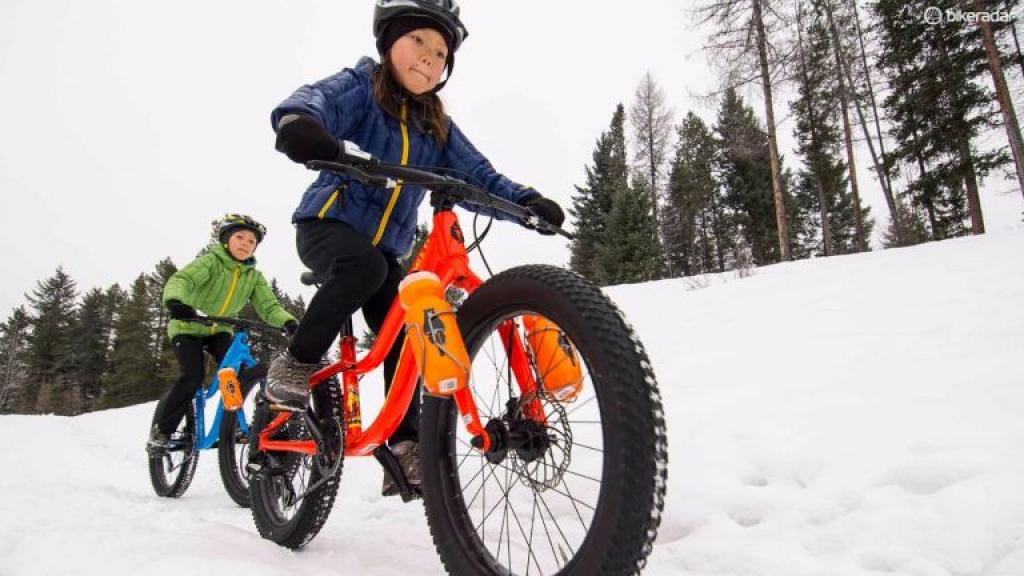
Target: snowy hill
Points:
(850, 416)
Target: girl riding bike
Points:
(218, 283)
(351, 234)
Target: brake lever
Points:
(350, 170)
(534, 222)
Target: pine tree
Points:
(90, 333)
(631, 252)
(743, 45)
(744, 170)
(264, 344)
(132, 379)
(936, 67)
(842, 222)
(914, 229)
(592, 205)
(53, 308)
(995, 64)
(160, 345)
(114, 299)
(652, 126)
(14, 343)
(695, 226)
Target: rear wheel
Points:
(284, 508)
(580, 487)
(171, 470)
(233, 448)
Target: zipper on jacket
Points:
(231, 291)
(398, 184)
(330, 202)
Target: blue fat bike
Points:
(207, 425)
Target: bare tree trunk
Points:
(653, 165)
(890, 200)
(971, 182)
(851, 162)
(720, 234)
(966, 158)
(1020, 60)
(929, 204)
(1003, 96)
(862, 244)
(826, 225)
(773, 148)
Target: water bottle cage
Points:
(434, 328)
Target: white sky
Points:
(129, 125)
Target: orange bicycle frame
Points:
(444, 254)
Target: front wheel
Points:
(233, 446)
(581, 486)
(171, 470)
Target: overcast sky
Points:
(129, 124)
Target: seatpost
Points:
(346, 328)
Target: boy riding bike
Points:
(218, 283)
(351, 234)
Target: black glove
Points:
(290, 327)
(180, 311)
(303, 138)
(547, 209)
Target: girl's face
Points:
(242, 244)
(418, 59)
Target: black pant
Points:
(356, 275)
(189, 351)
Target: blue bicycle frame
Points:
(238, 355)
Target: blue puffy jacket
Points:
(344, 103)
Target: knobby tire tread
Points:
(626, 522)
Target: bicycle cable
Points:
(478, 236)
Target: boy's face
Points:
(418, 59)
(242, 244)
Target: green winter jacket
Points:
(218, 285)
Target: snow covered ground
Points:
(846, 416)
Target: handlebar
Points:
(240, 323)
(369, 170)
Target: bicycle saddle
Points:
(310, 278)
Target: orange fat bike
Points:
(542, 438)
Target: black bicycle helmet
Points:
(226, 226)
(444, 12)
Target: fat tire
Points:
(634, 469)
(300, 529)
(232, 471)
(176, 486)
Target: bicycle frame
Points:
(237, 356)
(443, 253)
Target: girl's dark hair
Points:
(426, 110)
